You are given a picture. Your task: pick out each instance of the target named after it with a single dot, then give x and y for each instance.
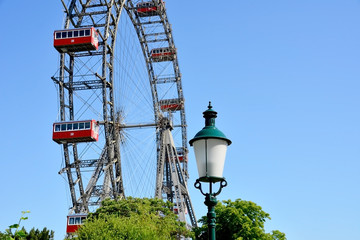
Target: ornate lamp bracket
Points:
(223, 183)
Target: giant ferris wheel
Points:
(121, 122)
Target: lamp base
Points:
(211, 179)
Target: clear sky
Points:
(283, 76)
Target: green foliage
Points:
(277, 235)
(133, 218)
(23, 234)
(18, 234)
(240, 220)
(36, 234)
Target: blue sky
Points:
(283, 76)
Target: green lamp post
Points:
(210, 146)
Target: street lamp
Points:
(210, 146)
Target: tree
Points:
(133, 218)
(36, 234)
(240, 220)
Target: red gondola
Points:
(171, 105)
(163, 54)
(182, 158)
(74, 222)
(76, 40)
(176, 211)
(79, 131)
(146, 9)
(180, 153)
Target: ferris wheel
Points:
(121, 124)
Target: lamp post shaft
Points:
(210, 202)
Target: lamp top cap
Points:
(210, 112)
(210, 130)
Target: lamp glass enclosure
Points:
(210, 158)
